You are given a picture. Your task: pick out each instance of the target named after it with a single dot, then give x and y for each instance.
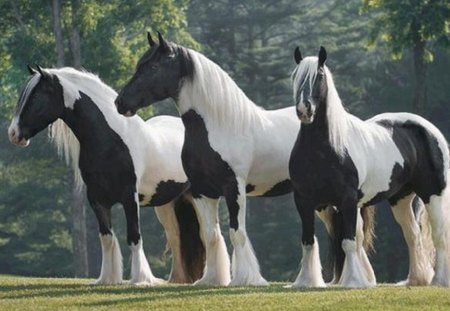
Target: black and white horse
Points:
(232, 147)
(122, 161)
(343, 161)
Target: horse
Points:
(122, 161)
(232, 147)
(340, 160)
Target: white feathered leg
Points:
(311, 271)
(354, 274)
(111, 271)
(217, 267)
(439, 219)
(420, 268)
(141, 274)
(244, 265)
(364, 259)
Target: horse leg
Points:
(111, 270)
(311, 270)
(420, 269)
(333, 223)
(439, 221)
(370, 275)
(354, 274)
(327, 216)
(244, 265)
(217, 266)
(141, 274)
(167, 218)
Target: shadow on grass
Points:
(55, 290)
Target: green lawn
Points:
(21, 293)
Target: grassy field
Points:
(21, 293)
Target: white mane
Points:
(339, 121)
(74, 81)
(213, 93)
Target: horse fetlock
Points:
(238, 237)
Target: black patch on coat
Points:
(208, 173)
(249, 188)
(283, 187)
(423, 170)
(105, 162)
(167, 191)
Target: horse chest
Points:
(319, 175)
(109, 177)
(208, 173)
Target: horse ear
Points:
(150, 40)
(31, 70)
(42, 72)
(322, 56)
(297, 55)
(162, 43)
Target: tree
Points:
(418, 26)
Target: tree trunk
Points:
(420, 78)
(79, 242)
(56, 11)
(75, 40)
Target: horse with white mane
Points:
(122, 161)
(343, 161)
(232, 148)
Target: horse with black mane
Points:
(232, 148)
(341, 160)
(122, 161)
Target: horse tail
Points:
(191, 246)
(336, 255)
(368, 216)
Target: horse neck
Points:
(84, 123)
(213, 94)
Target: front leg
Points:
(354, 273)
(311, 270)
(111, 270)
(217, 266)
(141, 274)
(244, 265)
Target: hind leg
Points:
(440, 239)
(167, 218)
(141, 274)
(111, 270)
(217, 266)
(370, 275)
(327, 215)
(245, 267)
(420, 269)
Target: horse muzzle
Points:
(305, 114)
(16, 138)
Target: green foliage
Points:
(404, 23)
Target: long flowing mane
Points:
(339, 121)
(61, 135)
(212, 92)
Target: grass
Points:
(21, 293)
